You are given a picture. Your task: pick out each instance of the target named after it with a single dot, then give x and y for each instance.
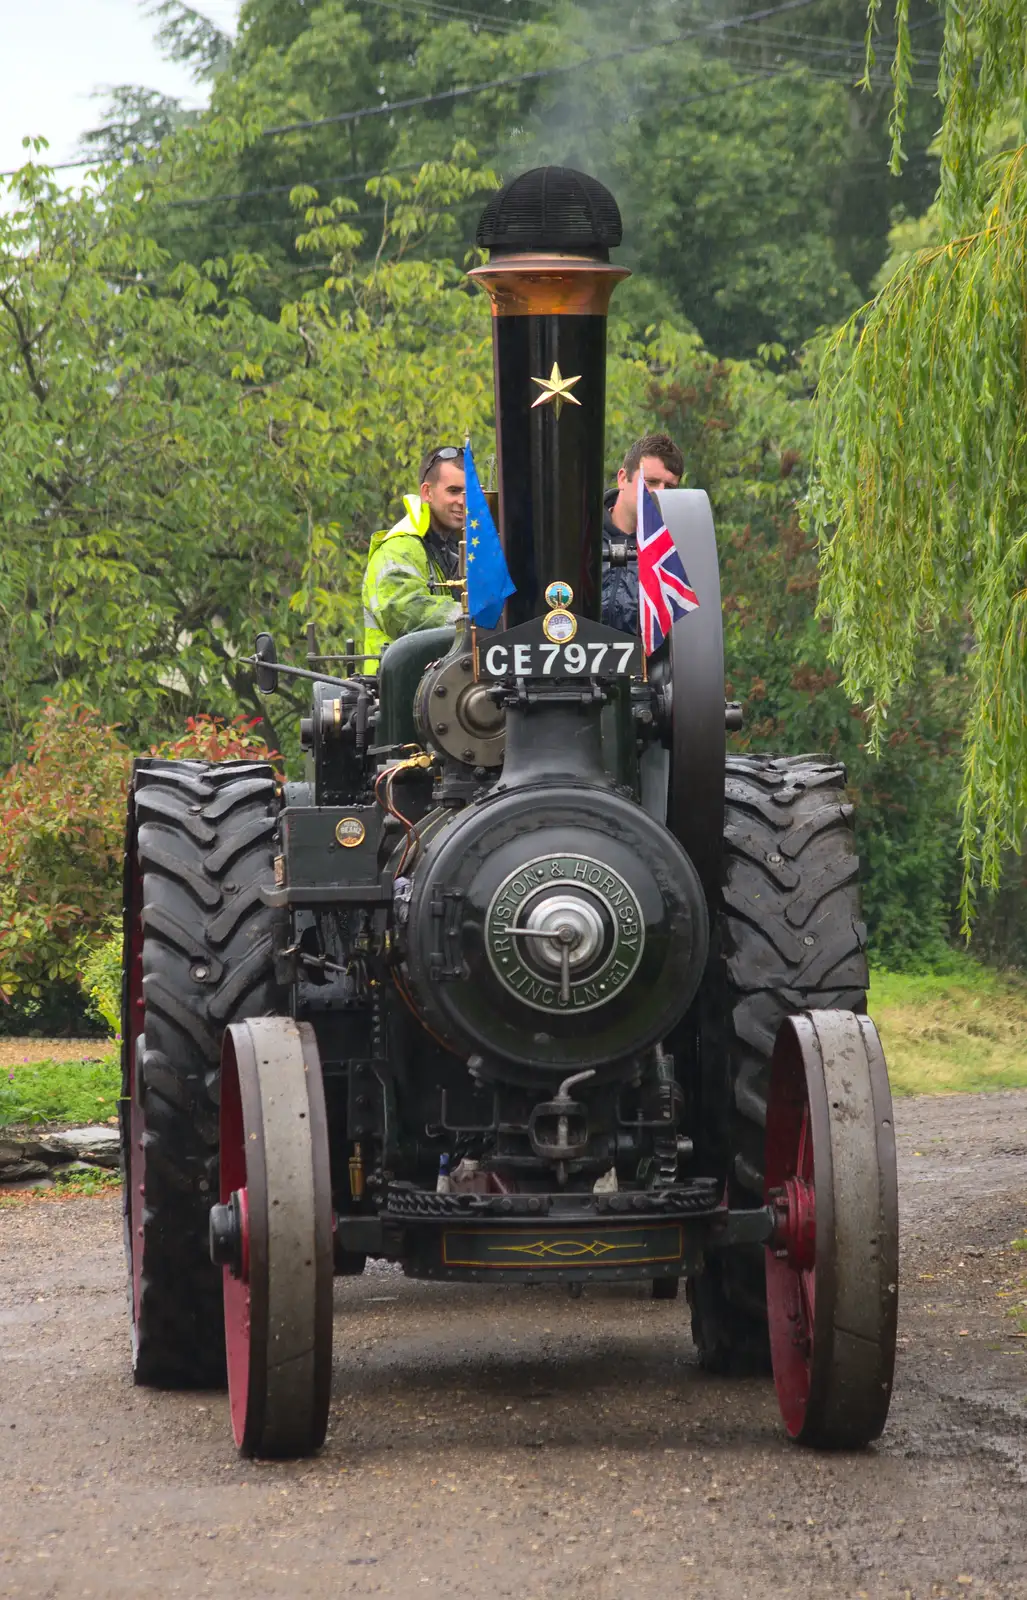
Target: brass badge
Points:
(350, 832)
(526, 969)
(559, 626)
(559, 595)
(556, 389)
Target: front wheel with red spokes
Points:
(832, 1265)
(272, 1236)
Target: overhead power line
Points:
(343, 179)
(442, 13)
(357, 177)
(287, 188)
(389, 108)
(803, 44)
(295, 221)
(385, 107)
(57, 166)
(414, 166)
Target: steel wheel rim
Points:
(832, 1265)
(236, 1289)
(278, 1290)
(795, 1150)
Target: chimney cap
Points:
(551, 209)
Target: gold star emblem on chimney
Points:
(556, 389)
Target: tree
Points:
(920, 492)
(719, 208)
(750, 170)
(178, 470)
(139, 119)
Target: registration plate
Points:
(525, 652)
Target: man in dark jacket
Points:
(662, 465)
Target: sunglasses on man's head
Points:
(448, 452)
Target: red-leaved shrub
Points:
(210, 738)
(62, 833)
(62, 829)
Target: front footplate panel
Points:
(539, 1238)
(537, 1251)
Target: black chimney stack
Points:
(549, 279)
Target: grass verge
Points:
(955, 1032)
(943, 1033)
(61, 1092)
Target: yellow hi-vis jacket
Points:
(396, 592)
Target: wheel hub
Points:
(230, 1235)
(795, 1223)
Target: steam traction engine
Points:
(526, 980)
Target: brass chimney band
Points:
(549, 285)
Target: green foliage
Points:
(61, 1092)
(1000, 931)
(60, 1011)
(132, 560)
(137, 118)
(919, 496)
(134, 118)
(178, 469)
(84, 1184)
(736, 228)
(68, 1185)
(187, 35)
(982, 83)
(920, 503)
(62, 820)
(907, 236)
(100, 977)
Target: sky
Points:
(55, 53)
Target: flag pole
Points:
(464, 597)
(464, 601)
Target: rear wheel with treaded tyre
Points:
(787, 936)
(198, 955)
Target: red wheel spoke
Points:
(804, 1155)
(807, 1299)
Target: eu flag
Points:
(488, 581)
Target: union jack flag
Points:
(664, 592)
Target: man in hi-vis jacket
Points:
(408, 563)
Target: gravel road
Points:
(491, 1443)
